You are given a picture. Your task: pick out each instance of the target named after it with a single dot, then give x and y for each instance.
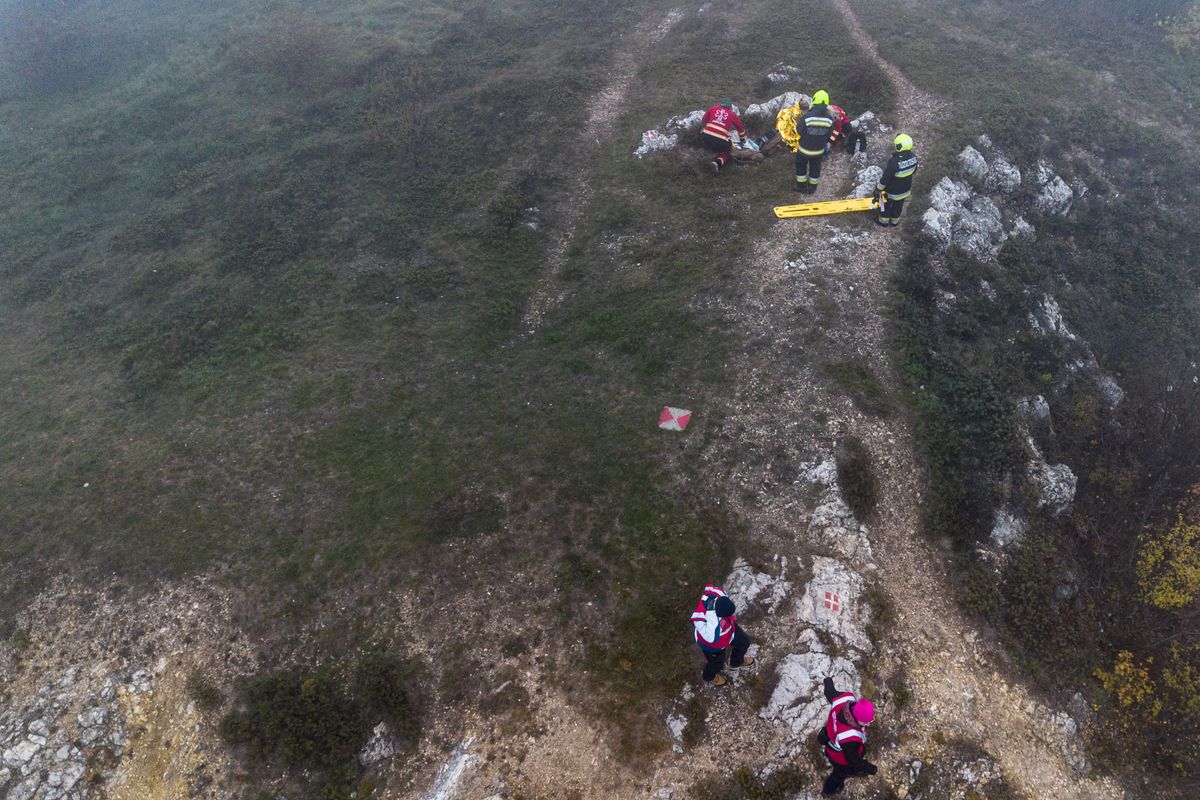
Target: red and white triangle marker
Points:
(674, 419)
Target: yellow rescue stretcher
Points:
(826, 207)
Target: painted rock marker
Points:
(674, 419)
(832, 601)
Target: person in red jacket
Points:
(716, 630)
(841, 126)
(715, 130)
(844, 737)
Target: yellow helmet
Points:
(820, 97)
(903, 142)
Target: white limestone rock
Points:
(1002, 176)
(866, 181)
(1034, 409)
(1055, 195)
(1007, 529)
(832, 522)
(747, 588)
(450, 775)
(1113, 394)
(768, 110)
(1021, 229)
(798, 701)
(1047, 318)
(973, 164)
(380, 748)
(676, 724)
(960, 216)
(1055, 482)
(833, 602)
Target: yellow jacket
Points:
(785, 123)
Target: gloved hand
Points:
(870, 769)
(875, 197)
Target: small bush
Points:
(857, 380)
(318, 721)
(856, 476)
(206, 696)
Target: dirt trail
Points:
(786, 413)
(604, 108)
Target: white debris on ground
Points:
(450, 775)
(833, 602)
(799, 698)
(748, 588)
(832, 521)
(655, 140)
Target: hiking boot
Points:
(799, 187)
(746, 662)
(881, 222)
(716, 167)
(719, 680)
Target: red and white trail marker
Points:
(674, 419)
(832, 601)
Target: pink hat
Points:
(863, 711)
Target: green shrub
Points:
(318, 721)
(856, 477)
(203, 692)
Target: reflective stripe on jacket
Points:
(710, 630)
(897, 176)
(718, 121)
(815, 127)
(839, 733)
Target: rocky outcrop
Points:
(866, 181)
(1054, 195)
(73, 725)
(833, 602)
(958, 215)
(1055, 482)
(799, 699)
(1007, 529)
(759, 112)
(749, 589)
(832, 522)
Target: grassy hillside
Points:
(261, 277)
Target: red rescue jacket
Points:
(842, 736)
(841, 123)
(718, 120)
(712, 631)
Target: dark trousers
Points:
(808, 169)
(889, 211)
(716, 658)
(717, 145)
(837, 778)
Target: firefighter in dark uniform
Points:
(814, 129)
(895, 185)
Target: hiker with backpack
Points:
(716, 631)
